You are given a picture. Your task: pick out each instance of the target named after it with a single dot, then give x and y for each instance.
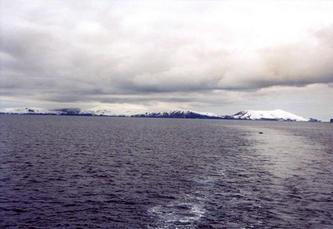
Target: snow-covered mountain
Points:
(100, 112)
(268, 115)
(40, 111)
(178, 114)
(20, 110)
(275, 115)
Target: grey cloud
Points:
(126, 52)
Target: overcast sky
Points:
(131, 56)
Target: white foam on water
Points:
(184, 212)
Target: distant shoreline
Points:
(159, 117)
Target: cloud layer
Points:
(190, 54)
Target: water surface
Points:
(94, 172)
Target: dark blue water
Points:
(93, 172)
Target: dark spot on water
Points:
(18, 210)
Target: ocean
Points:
(103, 172)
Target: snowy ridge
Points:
(178, 114)
(268, 115)
(30, 110)
(274, 115)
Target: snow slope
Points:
(30, 110)
(178, 114)
(269, 115)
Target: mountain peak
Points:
(276, 114)
(178, 114)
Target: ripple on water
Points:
(90, 172)
(182, 213)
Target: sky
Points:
(147, 56)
